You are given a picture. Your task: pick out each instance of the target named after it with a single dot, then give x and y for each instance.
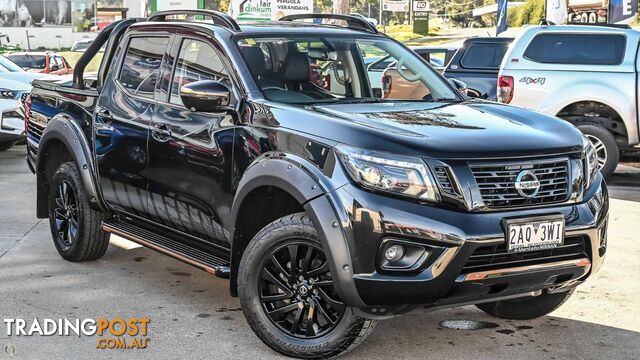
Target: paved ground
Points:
(193, 316)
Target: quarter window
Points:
(197, 61)
(583, 49)
(141, 66)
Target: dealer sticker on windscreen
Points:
(535, 235)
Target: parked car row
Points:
(17, 71)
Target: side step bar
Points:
(182, 251)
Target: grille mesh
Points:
(497, 183)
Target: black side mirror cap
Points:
(461, 86)
(206, 96)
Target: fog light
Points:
(394, 253)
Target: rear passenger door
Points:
(122, 120)
(190, 168)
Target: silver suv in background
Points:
(586, 75)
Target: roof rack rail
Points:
(217, 17)
(617, 26)
(352, 21)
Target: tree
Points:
(342, 7)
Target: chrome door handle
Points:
(161, 132)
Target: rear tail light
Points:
(505, 89)
(386, 85)
(27, 112)
(327, 82)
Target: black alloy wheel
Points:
(65, 215)
(296, 290)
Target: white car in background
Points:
(14, 83)
(586, 75)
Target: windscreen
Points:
(7, 65)
(307, 70)
(29, 61)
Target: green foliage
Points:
(529, 13)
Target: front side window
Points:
(197, 61)
(141, 65)
(305, 69)
(483, 56)
(583, 49)
(435, 58)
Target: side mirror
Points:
(461, 86)
(205, 96)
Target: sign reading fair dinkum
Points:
(268, 9)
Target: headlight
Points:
(8, 94)
(400, 175)
(590, 162)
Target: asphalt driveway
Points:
(192, 315)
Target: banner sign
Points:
(502, 17)
(395, 5)
(268, 9)
(556, 11)
(622, 11)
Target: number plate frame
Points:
(508, 223)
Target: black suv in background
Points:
(209, 142)
(477, 64)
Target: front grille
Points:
(444, 179)
(35, 129)
(493, 257)
(497, 182)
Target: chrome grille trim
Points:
(496, 182)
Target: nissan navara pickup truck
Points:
(207, 141)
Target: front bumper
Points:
(11, 121)
(446, 279)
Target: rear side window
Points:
(141, 65)
(583, 49)
(483, 56)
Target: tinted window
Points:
(28, 61)
(197, 61)
(584, 49)
(483, 56)
(8, 65)
(382, 65)
(141, 65)
(435, 58)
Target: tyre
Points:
(4, 146)
(526, 308)
(606, 147)
(75, 227)
(287, 294)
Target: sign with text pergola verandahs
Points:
(250, 10)
(395, 5)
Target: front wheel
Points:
(4, 146)
(287, 294)
(526, 308)
(605, 145)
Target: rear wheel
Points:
(287, 294)
(605, 145)
(75, 227)
(526, 308)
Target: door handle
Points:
(161, 133)
(105, 114)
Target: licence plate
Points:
(531, 235)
